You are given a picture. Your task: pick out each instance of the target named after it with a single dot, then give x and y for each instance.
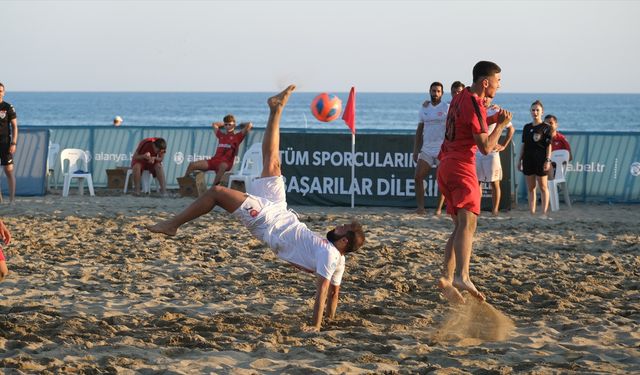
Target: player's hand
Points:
(4, 233)
(547, 165)
(504, 117)
(147, 156)
(217, 125)
(520, 165)
(12, 149)
(415, 157)
(498, 148)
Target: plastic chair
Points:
(78, 167)
(251, 167)
(52, 156)
(145, 181)
(561, 158)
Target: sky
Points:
(542, 46)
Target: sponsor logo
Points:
(635, 169)
(3, 114)
(89, 155)
(178, 158)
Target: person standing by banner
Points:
(429, 137)
(8, 141)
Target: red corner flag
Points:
(349, 114)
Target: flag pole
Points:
(353, 167)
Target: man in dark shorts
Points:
(148, 157)
(8, 141)
(466, 132)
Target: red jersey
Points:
(228, 145)
(146, 145)
(467, 116)
(559, 142)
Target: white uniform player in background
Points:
(488, 167)
(429, 137)
(264, 212)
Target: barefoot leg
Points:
(271, 140)
(462, 243)
(449, 291)
(226, 198)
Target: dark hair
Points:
(160, 143)
(229, 118)
(537, 102)
(485, 69)
(457, 84)
(547, 117)
(2, 85)
(355, 237)
(436, 84)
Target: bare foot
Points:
(438, 213)
(164, 228)
(450, 292)
(495, 213)
(468, 286)
(421, 211)
(280, 100)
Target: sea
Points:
(374, 111)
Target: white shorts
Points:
(430, 158)
(488, 167)
(264, 205)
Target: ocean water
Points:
(376, 111)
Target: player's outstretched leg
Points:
(228, 199)
(271, 140)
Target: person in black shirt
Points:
(8, 141)
(535, 157)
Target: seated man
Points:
(148, 157)
(558, 142)
(265, 214)
(228, 145)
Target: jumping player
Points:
(264, 212)
(228, 145)
(466, 132)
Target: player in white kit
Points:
(429, 137)
(264, 212)
(488, 167)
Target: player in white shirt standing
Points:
(488, 167)
(429, 137)
(264, 212)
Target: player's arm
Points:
(14, 136)
(417, 145)
(247, 127)
(487, 143)
(507, 140)
(332, 302)
(4, 233)
(322, 291)
(547, 161)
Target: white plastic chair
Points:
(251, 167)
(78, 167)
(561, 158)
(52, 156)
(145, 181)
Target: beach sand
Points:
(91, 292)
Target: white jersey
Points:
(266, 216)
(490, 112)
(434, 119)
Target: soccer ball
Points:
(326, 107)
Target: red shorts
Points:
(151, 167)
(213, 164)
(1, 255)
(459, 185)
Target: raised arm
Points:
(322, 291)
(246, 128)
(487, 143)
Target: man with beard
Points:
(466, 132)
(264, 212)
(429, 137)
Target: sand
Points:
(91, 292)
